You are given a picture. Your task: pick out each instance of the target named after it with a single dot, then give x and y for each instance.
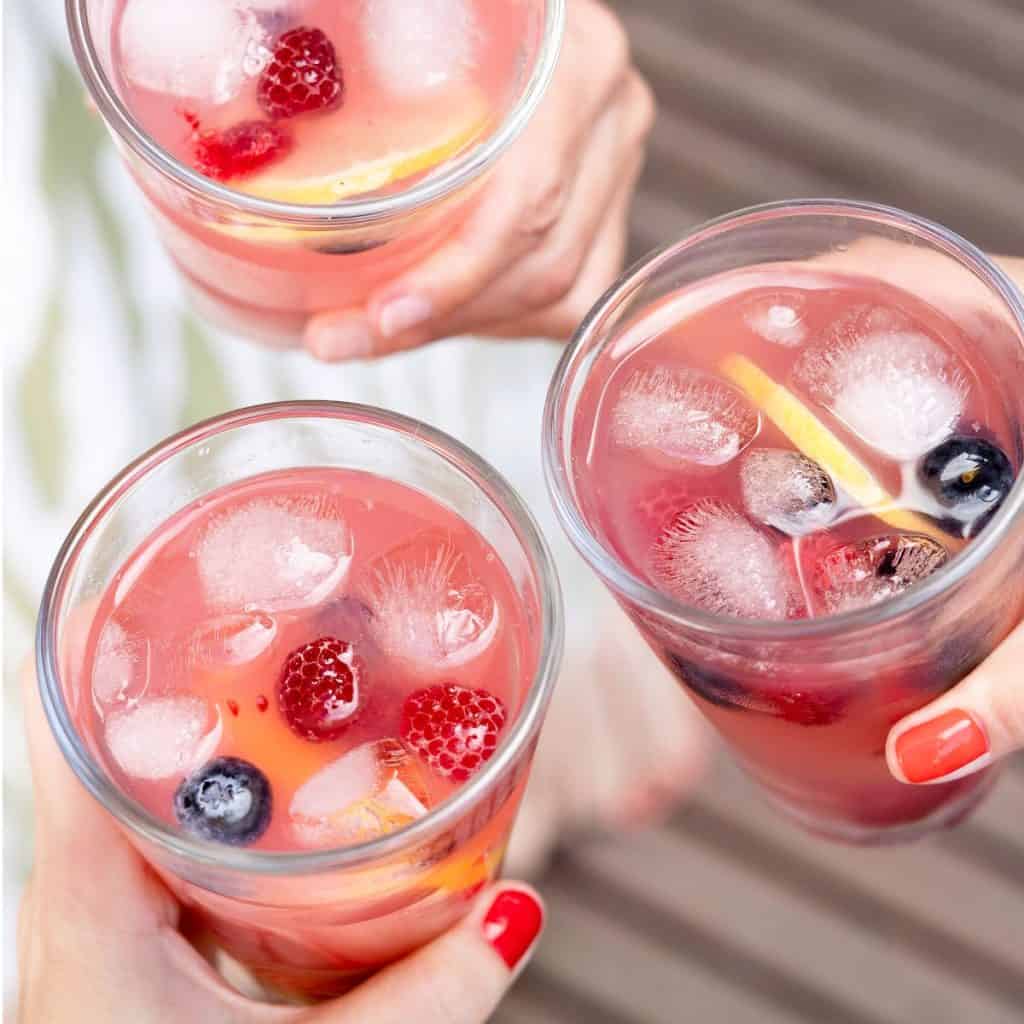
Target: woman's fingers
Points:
(979, 720)
(535, 220)
(460, 977)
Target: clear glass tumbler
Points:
(309, 924)
(262, 267)
(832, 778)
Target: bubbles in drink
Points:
(370, 791)
(787, 490)
(274, 555)
(418, 45)
(162, 737)
(896, 388)
(683, 415)
(121, 669)
(712, 557)
(429, 607)
(233, 640)
(869, 571)
(778, 317)
(194, 49)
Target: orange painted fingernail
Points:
(940, 747)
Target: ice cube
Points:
(418, 45)
(683, 415)
(899, 390)
(868, 571)
(710, 556)
(787, 490)
(429, 606)
(778, 317)
(368, 792)
(274, 554)
(193, 49)
(233, 640)
(120, 672)
(163, 737)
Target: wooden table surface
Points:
(728, 915)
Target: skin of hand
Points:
(978, 721)
(547, 235)
(99, 938)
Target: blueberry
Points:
(969, 477)
(713, 687)
(228, 800)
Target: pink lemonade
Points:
(312, 102)
(306, 660)
(785, 443)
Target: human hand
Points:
(549, 231)
(99, 935)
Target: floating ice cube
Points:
(120, 671)
(787, 490)
(429, 607)
(778, 317)
(712, 557)
(368, 792)
(194, 49)
(683, 415)
(898, 389)
(163, 737)
(418, 45)
(868, 571)
(232, 640)
(274, 554)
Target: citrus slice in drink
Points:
(365, 156)
(812, 437)
(372, 155)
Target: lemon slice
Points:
(816, 441)
(366, 164)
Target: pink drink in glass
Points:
(299, 153)
(289, 679)
(787, 443)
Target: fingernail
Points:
(940, 747)
(512, 925)
(401, 313)
(346, 339)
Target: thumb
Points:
(966, 729)
(460, 977)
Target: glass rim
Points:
(459, 172)
(524, 729)
(603, 559)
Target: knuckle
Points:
(543, 211)
(553, 279)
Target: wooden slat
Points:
(633, 977)
(984, 35)
(926, 892)
(812, 947)
(830, 134)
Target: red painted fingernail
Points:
(512, 924)
(939, 747)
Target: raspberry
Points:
(240, 149)
(302, 76)
(452, 728)
(321, 689)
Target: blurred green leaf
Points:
(39, 407)
(206, 389)
(72, 137)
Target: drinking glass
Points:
(262, 267)
(309, 923)
(880, 662)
